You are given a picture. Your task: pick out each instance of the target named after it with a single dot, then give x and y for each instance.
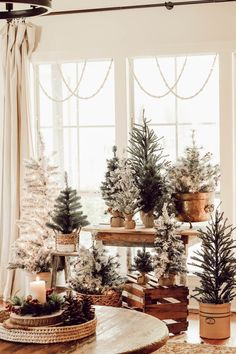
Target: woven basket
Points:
(67, 242)
(45, 335)
(111, 298)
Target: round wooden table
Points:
(118, 331)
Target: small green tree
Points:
(107, 186)
(67, 216)
(95, 272)
(148, 162)
(216, 262)
(143, 261)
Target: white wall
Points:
(137, 32)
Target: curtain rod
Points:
(168, 5)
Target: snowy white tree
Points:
(126, 193)
(194, 172)
(40, 191)
(169, 257)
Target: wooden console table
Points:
(138, 237)
(118, 331)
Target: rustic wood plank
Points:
(167, 315)
(182, 307)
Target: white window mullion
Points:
(227, 160)
(57, 117)
(121, 104)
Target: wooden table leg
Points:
(55, 260)
(67, 269)
(183, 277)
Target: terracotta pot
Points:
(214, 321)
(67, 242)
(147, 219)
(129, 222)
(194, 207)
(167, 281)
(117, 219)
(142, 279)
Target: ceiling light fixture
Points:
(24, 8)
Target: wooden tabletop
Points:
(119, 331)
(119, 236)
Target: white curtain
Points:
(18, 43)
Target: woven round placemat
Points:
(44, 335)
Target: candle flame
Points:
(37, 278)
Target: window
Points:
(81, 131)
(174, 118)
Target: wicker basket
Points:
(67, 242)
(110, 298)
(45, 335)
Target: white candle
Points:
(38, 290)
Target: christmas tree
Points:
(169, 255)
(193, 172)
(40, 191)
(149, 165)
(143, 261)
(95, 272)
(32, 250)
(107, 186)
(126, 193)
(67, 216)
(216, 262)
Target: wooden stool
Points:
(55, 260)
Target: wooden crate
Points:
(169, 304)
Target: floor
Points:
(192, 335)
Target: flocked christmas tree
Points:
(95, 272)
(40, 191)
(194, 172)
(126, 193)
(67, 216)
(169, 258)
(216, 262)
(146, 155)
(107, 186)
(32, 250)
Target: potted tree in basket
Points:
(146, 156)
(143, 264)
(217, 271)
(126, 193)
(193, 180)
(169, 258)
(108, 192)
(67, 219)
(95, 275)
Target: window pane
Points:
(70, 154)
(69, 72)
(99, 110)
(158, 110)
(47, 135)
(45, 104)
(95, 147)
(169, 140)
(205, 106)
